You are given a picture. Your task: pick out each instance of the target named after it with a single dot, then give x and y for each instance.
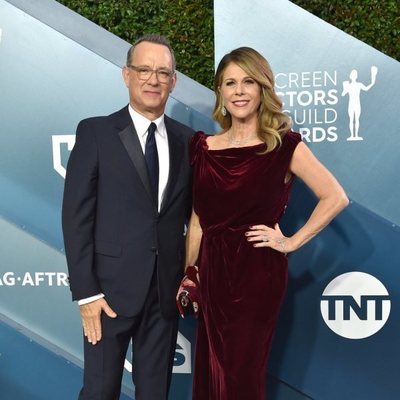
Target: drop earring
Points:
(223, 111)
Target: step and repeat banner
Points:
(57, 68)
(338, 332)
(337, 336)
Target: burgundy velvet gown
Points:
(241, 287)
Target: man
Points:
(126, 198)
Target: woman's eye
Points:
(249, 82)
(230, 83)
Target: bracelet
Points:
(282, 243)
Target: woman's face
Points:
(241, 94)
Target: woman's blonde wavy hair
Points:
(273, 124)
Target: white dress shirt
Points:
(141, 125)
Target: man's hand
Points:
(90, 314)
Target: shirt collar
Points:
(142, 123)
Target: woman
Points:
(242, 178)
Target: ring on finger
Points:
(265, 238)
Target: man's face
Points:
(148, 94)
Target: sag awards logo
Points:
(58, 142)
(37, 278)
(312, 99)
(355, 305)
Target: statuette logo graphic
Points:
(353, 89)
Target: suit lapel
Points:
(176, 149)
(132, 145)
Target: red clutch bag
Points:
(188, 294)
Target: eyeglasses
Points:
(144, 73)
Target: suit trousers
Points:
(153, 348)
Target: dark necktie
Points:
(151, 156)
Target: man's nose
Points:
(153, 78)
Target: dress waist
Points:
(214, 230)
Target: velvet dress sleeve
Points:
(289, 144)
(291, 140)
(197, 143)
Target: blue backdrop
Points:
(331, 82)
(337, 336)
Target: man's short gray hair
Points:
(152, 38)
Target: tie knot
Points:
(152, 128)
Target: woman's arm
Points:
(331, 201)
(191, 278)
(331, 197)
(193, 239)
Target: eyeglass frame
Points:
(169, 73)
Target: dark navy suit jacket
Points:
(113, 232)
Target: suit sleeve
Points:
(79, 211)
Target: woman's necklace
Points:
(239, 142)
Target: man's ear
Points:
(126, 75)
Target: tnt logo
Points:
(355, 305)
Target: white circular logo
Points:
(355, 305)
